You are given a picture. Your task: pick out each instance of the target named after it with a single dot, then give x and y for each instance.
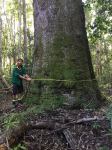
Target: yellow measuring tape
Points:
(58, 80)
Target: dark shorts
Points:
(17, 89)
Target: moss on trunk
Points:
(62, 51)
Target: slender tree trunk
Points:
(24, 32)
(11, 45)
(29, 44)
(14, 42)
(19, 18)
(0, 43)
(62, 50)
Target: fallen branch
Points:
(80, 121)
(85, 120)
(13, 135)
(70, 139)
(6, 89)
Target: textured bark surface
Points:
(0, 43)
(19, 18)
(25, 32)
(61, 45)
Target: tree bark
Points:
(61, 48)
(24, 32)
(0, 43)
(14, 41)
(19, 18)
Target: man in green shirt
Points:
(18, 74)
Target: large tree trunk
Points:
(61, 47)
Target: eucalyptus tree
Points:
(61, 48)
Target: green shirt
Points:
(15, 75)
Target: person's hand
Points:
(27, 76)
(28, 79)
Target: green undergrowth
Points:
(20, 147)
(109, 113)
(48, 101)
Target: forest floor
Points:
(93, 132)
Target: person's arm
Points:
(22, 77)
(25, 75)
(25, 78)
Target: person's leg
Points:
(20, 91)
(15, 91)
(15, 94)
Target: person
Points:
(18, 74)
